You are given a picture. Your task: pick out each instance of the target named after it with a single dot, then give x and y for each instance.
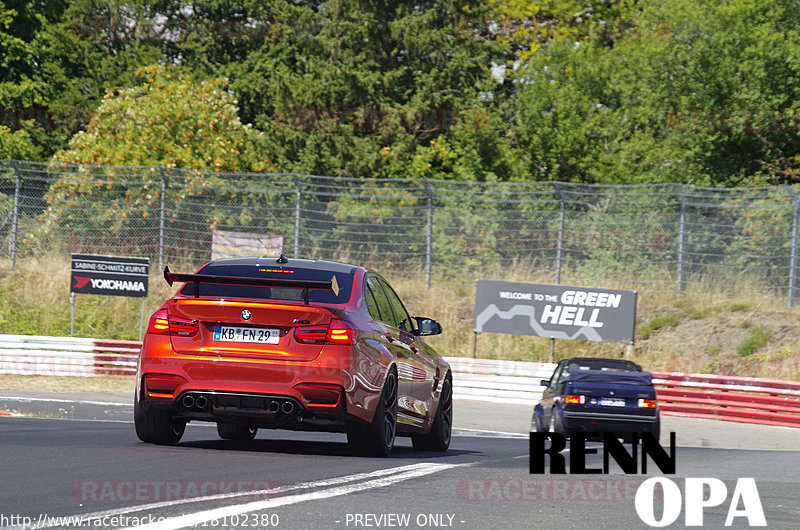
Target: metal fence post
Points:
(162, 215)
(297, 205)
(793, 255)
(429, 241)
(15, 218)
(560, 242)
(681, 235)
(559, 250)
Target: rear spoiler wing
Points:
(197, 279)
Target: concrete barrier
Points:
(730, 398)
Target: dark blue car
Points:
(595, 395)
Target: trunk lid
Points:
(247, 329)
(611, 397)
(620, 390)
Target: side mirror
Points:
(427, 326)
(544, 382)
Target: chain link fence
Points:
(659, 237)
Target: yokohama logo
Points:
(110, 275)
(117, 285)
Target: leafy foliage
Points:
(671, 101)
(525, 26)
(385, 216)
(764, 239)
(620, 92)
(17, 145)
(169, 121)
(352, 88)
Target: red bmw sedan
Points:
(297, 344)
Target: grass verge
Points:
(46, 383)
(690, 332)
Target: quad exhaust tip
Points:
(195, 402)
(202, 402)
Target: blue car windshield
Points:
(606, 365)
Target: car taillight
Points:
(182, 327)
(161, 323)
(311, 334)
(158, 323)
(337, 332)
(574, 399)
(647, 403)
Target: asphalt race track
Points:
(77, 455)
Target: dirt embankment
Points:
(747, 342)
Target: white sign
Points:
(226, 244)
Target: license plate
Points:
(612, 402)
(235, 334)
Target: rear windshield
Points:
(343, 280)
(610, 365)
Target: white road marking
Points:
(198, 518)
(482, 433)
(476, 433)
(277, 492)
(28, 399)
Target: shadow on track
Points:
(305, 447)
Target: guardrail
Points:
(514, 382)
(481, 379)
(730, 398)
(33, 355)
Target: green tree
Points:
(17, 145)
(761, 243)
(684, 95)
(55, 68)
(168, 120)
(525, 26)
(338, 83)
(23, 94)
(171, 120)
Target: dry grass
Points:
(707, 331)
(701, 331)
(35, 300)
(46, 383)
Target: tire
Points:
(157, 426)
(555, 423)
(239, 432)
(441, 430)
(536, 421)
(657, 429)
(377, 437)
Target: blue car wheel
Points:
(556, 424)
(538, 423)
